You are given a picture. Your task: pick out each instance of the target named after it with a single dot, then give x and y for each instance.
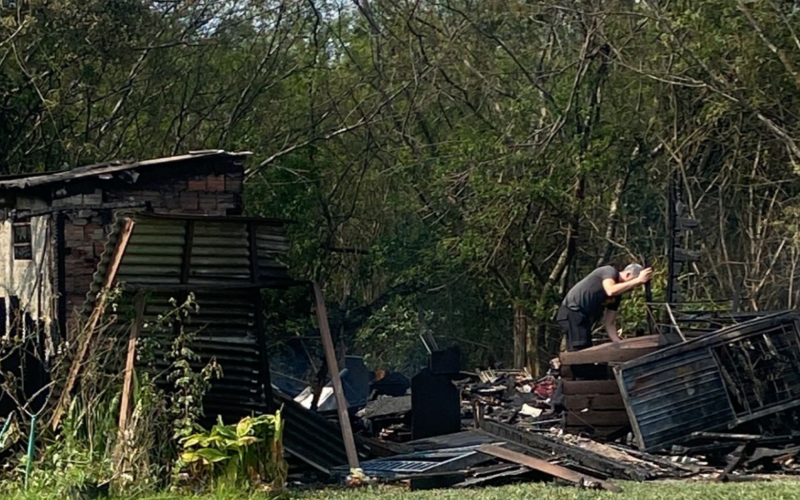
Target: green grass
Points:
(777, 490)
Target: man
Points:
(598, 294)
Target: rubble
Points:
(574, 424)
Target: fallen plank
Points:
(689, 469)
(719, 436)
(504, 471)
(91, 325)
(779, 454)
(546, 467)
(704, 449)
(605, 356)
(621, 352)
(548, 447)
(734, 459)
(333, 368)
(583, 387)
(127, 383)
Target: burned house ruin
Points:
(55, 224)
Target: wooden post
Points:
(648, 300)
(333, 369)
(127, 383)
(99, 307)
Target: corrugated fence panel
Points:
(154, 253)
(225, 324)
(220, 253)
(224, 329)
(271, 244)
(670, 398)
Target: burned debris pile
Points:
(719, 406)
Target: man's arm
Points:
(613, 288)
(610, 323)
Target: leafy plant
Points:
(249, 452)
(185, 403)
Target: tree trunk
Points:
(520, 336)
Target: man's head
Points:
(630, 272)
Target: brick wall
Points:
(215, 193)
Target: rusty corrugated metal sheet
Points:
(720, 380)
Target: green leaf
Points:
(212, 455)
(244, 427)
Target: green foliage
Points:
(462, 157)
(248, 453)
(186, 402)
(390, 337)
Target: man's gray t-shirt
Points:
(588, 295)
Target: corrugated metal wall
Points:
(223, 261)
(229, 260)
(719, 380)
(675, 397)
(225, 331)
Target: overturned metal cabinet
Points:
(719, 380)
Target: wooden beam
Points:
(333, 369)
(734, 459)
(127, 382)
(553, 470)
(625, 350)
(604, 356)
(583, 387)
(99, 307)
(595, 402)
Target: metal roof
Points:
(12, 182)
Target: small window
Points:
(22, 241)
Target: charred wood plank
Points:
(553, 470)
(551, 447)
(583, 387)
(595, 402)
(734, 459)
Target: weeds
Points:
(89, 455)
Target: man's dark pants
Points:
(577, 328)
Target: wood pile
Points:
(592, 399)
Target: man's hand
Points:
(644, 276)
